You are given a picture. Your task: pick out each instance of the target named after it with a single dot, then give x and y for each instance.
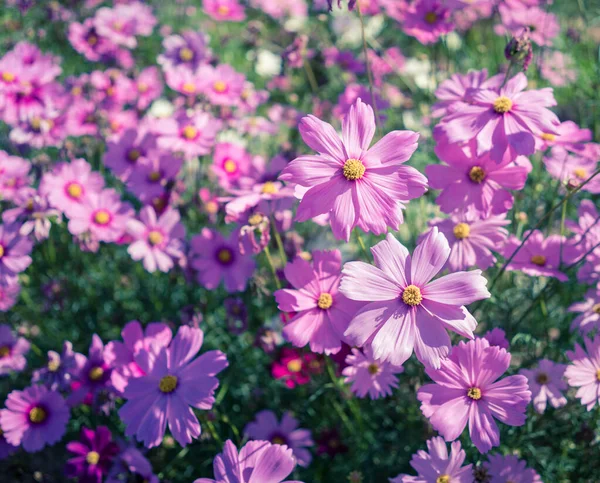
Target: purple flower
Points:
(436, 466)
(408, 311)
(59, 370)
(14, 253)
(173, 382)
(502, 469)
(216, 258)
(496, 337)
(589, 312)
(584, 371)
(466, 390)
(321, 312)
(12, 351)
(123, 154)
(370, 376)
(93, 375)
(267, 427)
(191, 135)
(546, 384)
(158, 241)
(33, 214)
(427, 21)
(34, 417)
(189, 48)
(131, 461)
(257, 462)
(94, 455)
(9, 294)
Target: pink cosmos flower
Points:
(149, 86)
(34, 417)
(590, 269)
(191, 135)
(224, 10)
(504, 118)
(102, 214)
(82, 119)
(584, 371)
(282, 9)
(112, 89)
(216, 258)
(14, 253)
(406, 310)
(14, 175)
(157, 240)
(33, 214)
(93, 455)
(123, 22)
(257, 462)
(472, 238)
(295, 368)
(286, 433)
(546, 384)
(173, 382)
(189, 48)
(269, 196)
(117, 122)
(352, 93)
(586, 230)
(427, 21)
(222, 85)
(321, 313)
(85, 39)
(230, 163)
(48, 128)
(59, 369)
(589, 312)
(572, 169)
(539, 256)
(502, 469)
(9, 294)
(184, 80)
(543, 26)
(151, 175)
(12, 350)
(356, 185)
(435, 465)
(558, 69)
(92, 376)
(370, 376)
(570, 137)
(68, 185)
(123, 154)
(496, 337)
(466, 390)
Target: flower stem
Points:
(272, 266)
(312, 80)
(362, 245)
(368, 64)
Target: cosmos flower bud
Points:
(518, 51)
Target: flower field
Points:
(265, 241)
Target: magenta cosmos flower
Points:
(149, 86)
(184, 80)
(584, 371)
(69, 184)
(173, 382)
(191, 135)
(12, 351)
(356, 185)
(321, 313)
(589, 312)
(436, 466)
(257, 462)
(542, 26)
(472, 239)
(573, 169)
(123, 154)
(406, 310)
(224, 10)
(216, 258)
(467, 390)
(539, 256)
(94, 455)
(158, 241)
(295, 368)
(14, 253)
(546, 384)
(504, 118)
(222, 85)
(468, 180)
(92, 375)
(34, 417)
(370, 376)
(427, 21)
(230, 163)
(188, 48)
(103, 215)
(151, 175)
(496, 337)
(266, 427)
(509, 468)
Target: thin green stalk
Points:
(563, 216)
(368, 64)
(279, 242)
(312, 80)
(272, 266)
(362, 245)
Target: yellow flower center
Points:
(133, 155)
(110, 91)
(373, 368)
(443, 479)
(224, 255)
(92, 40)
(546, 136)
(118, 25)
(96, 373)
(76, 91)
(142, 87)
(596, 308)
(462, 230)
(325, 301)
(277, 440)
(412, 295)
(598, 375)
(53, 366)
(220, 86)
(168, 384)
(223, 10)
(431, 18)
(4, 350)
(541, 378)
(230, 166)
(1, 251)
(474, 393)
(477, 174)
(35, 123)
(154, 176)
(102, 217)
(37, 415)
(155, 237)
(269, 188)
(294, 365)
(8, 76)
(74, 190)
(188, 88)
(190, 132)
(186, 54)
(502, 105)
(539, 260)
(255, 219)
(92, 458)
(580, 173)
(353, 169)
